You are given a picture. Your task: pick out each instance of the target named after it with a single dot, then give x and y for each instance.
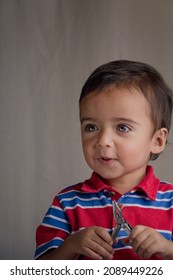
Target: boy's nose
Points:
(104, 139)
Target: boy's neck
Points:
(126, 183)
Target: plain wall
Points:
(47, 50)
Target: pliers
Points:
(120, 222)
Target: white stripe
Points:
(85, 199)
(56, 207)
(122, 248)
(146, 198)
(168, 191)
(165, 231)
(81, 228)
(87, 207)
(58, 238)
(149, 207)
(165, 199)
(57, 218)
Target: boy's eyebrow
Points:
(87, 119)
(113, 119)
(127, 120)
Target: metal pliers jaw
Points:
(120, 222)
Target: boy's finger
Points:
(104, 252)
(104, 235)
(135, 232)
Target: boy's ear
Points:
(159, 140)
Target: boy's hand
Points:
(93, 242)
(146, 242)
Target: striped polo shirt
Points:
(90, 204)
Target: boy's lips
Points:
(106, 160)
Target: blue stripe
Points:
(167, 235)
(50, 221)
(86, 203)
(82, 195)
(143, 201)
(165, 195)
(54, 243)
(73, 198)
(57, 213)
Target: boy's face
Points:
(117, 135)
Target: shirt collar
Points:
(149, 185)
(94, 184)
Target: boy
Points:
(125, 114)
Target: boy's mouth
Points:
(106, 160)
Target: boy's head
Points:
(135, 75)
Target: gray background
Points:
(47, 50)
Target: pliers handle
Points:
(120, 222)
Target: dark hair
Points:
(125, 73)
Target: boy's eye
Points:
(123, 128)
(90, 128)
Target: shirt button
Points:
(112, 193)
